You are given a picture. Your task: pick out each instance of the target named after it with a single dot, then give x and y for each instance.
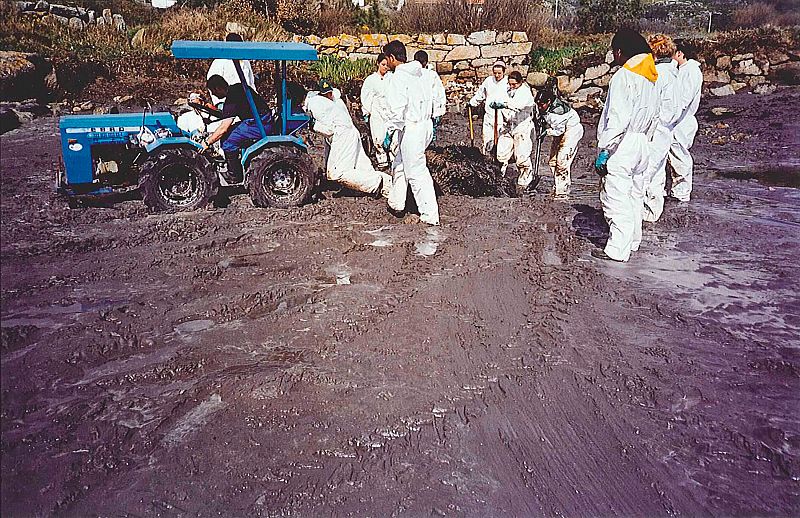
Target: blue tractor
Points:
(148, 151)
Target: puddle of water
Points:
(430, 244)
(194, 326)
(782, 176)
(383, 237)
(193, 420)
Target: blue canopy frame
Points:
(251, 50)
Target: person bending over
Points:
(561, 122)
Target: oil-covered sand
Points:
(331, 360)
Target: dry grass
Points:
(459, 16)
(762, 14)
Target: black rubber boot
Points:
(235, 173)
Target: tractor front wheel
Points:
(280, 177)
(175, 180)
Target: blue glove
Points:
(436, 122)
(600, 163)
(366, 117)
(433, 137)
(387, 141)
(497, 105)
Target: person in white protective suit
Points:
(374, 108)
(493, 88)
(345, 159)
(409, 129)
(227, 70)
(655, 179)
(437, 89)
(688, 87)
(517, 116)
(624, 135)
(560, 121)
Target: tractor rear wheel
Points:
(175, 180)
(280, 177)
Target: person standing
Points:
(655, 179)
(374, 108)
(437, 88)
(493, 89)
(227, 70)
(624, 133)
(410, 125)
(561, 122)
(515, 137)
(688, 87)
(345, 159)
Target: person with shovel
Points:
(374, 108)
(493, 89)
(560, 121)
(517, 115)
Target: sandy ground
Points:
(330, 360)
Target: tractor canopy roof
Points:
(252, 50)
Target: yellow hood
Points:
(644, 65)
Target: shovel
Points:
(471, 130)
(496, 134)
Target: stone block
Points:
(609, 57)
(330, 41)
(519, 37)
(447, 78)
(63, 10)
(712, 75)
(568, 85)
(467, 74)
(347, 40)
(42, 6)
(742, 57)
(137, 41)
(444, 67)
(456, 39)
(24, 6)
(596, 71)
(435, 56)
(313, 39)
(119, 22)
(505, 50)
(77, 23)
(756, 80)
(723, 91)
(360, 55)
(724, 62)
(602, 81)
(482, 37)
(747, 67)
(504, 37)
(439, 39)
(424, 39)
(537, 79)
(765, 88)
(737, 85)
(461, 65)
(405, 39)
(584, 94)
(776, 57)
(482, 62)
(463, 52)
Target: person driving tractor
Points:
(236, 135)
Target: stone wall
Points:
(75, 17)
(456, 57)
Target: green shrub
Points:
(551, 60)
(341, 71)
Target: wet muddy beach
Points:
(331, 360)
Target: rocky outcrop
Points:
(25, 75)
(77, 18)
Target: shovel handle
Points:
(471, 130)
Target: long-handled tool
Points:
(471, 130)
(496, 134)
(539, 140)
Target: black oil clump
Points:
(465, 170)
